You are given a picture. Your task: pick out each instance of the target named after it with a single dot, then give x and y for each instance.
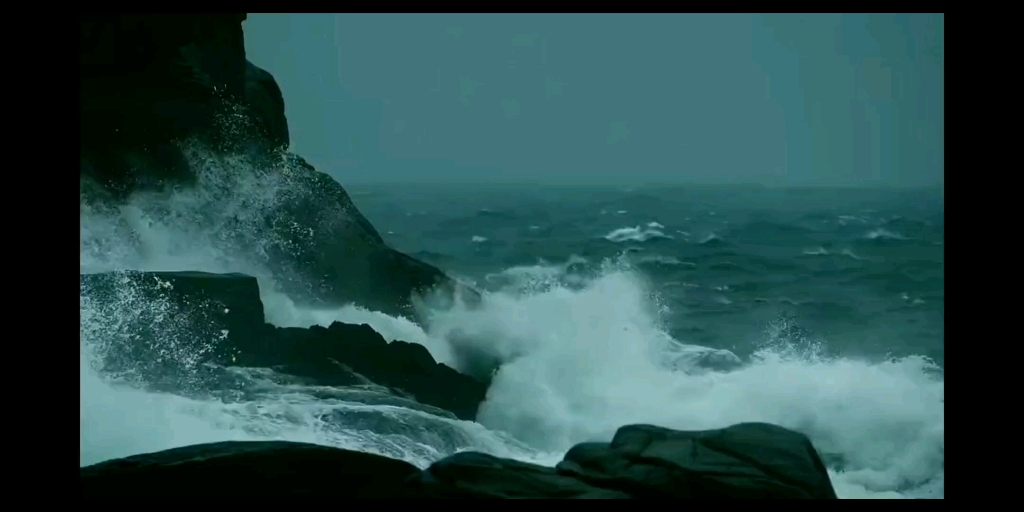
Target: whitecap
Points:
(883, 234)
(850, 254)
(710, 238)
(635, 234)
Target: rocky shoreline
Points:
(223, 316)
(745, 461)
(155, 87)
(220, 321)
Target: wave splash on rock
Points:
(187, 182)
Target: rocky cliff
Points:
(164, 95)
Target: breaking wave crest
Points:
(573, 355)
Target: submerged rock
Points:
(749, 460)
(169, 324)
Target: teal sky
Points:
(612, 98)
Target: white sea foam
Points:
(883, 234)
(583, 355)
(710, 238)
(635, 234)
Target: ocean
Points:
(689, 307)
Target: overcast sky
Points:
(623, 98)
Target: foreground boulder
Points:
(249, 470)
(478, 475)
(749, 460)
(164, 326)
(171, 101)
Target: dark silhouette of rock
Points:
(158, 328)
(264, 98)
(478, 475)
(154, 88)
(249, 470)
(748, 460)
(345, 260)
(345, 354)
(148, 81)
(171, 323)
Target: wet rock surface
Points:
(170, 102)
(749, 460)
(187, 319)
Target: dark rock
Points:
(477, 475)
(160, 327)
(147, 81)
(246, 470)
(264, 97)
(345, 354)
(346, 259)
(154, 86)
(749, 460)
(170, 323)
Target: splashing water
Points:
(582, 361)
(580, 357)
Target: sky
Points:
(825, 99)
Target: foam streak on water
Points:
(581, 357)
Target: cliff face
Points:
(148, 81)
(153, 86)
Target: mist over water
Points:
(582, 354)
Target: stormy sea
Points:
(689, 307)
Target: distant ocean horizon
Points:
(492, 177)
